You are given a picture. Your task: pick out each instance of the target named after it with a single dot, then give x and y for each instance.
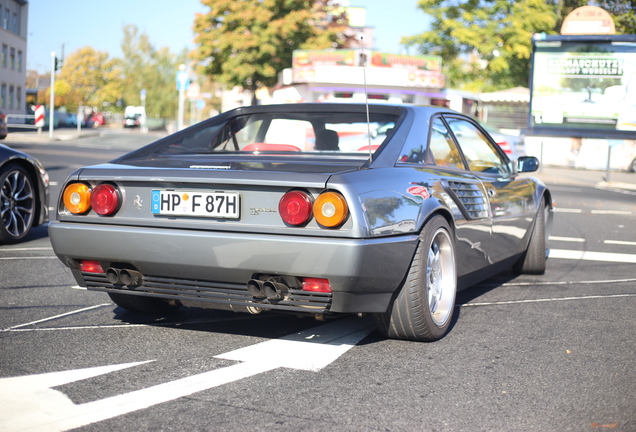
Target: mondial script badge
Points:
(138, 202)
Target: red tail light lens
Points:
(105, 200)
(295, 207)
(316, 285)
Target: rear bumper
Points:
(363, 273)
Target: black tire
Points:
(424, 306)
(533, 261)
(142, 304)
(18, 203)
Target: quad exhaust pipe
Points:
(271, 290)
(127, 277)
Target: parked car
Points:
(132, 121)
(512, 145)
(70, 120)
(4, 130)
(25, 194)
(260, 210)
(95, 120)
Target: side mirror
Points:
(527, 164)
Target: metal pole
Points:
(609, 159)
(144, 126)
(192, 112)
(52, 107)
(80, 117)
(182, 86)
(181, 103)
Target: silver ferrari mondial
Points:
(317, 209)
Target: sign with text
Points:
(584, 84)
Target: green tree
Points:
(247, 42)
(88, 77)
(146, 68)
(484, 44)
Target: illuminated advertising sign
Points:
(585, 85)
(343, 67)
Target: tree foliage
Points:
(246, 42)
(486, 44)
(150, 69)
(89, 77)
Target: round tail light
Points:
(330, 209)
(105, 200)
(77, 198)
(295, 207)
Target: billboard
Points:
(584, 86)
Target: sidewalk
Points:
(558, 176)
(33, 136)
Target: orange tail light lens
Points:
(77, 198)
(330, 209)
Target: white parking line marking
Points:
(567, 239)
(611, 212)
(30, 403)
(26, 249)
(619, 242)
(27, 258)
(566, 210)
(596, 297)
(57, 316)
(592, 256)
(535, 283)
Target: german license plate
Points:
(196, 203)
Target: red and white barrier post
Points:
(39, 117)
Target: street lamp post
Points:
(52, 107)
(182, 85)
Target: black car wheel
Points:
(533, 261)
(17, 203)
(423, 308)
(141, 304)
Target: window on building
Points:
(19, 61)
(3, 94)
(12, 58)
(18, 98)
(5, 21)
(5, 55)
(14, 26)
(11, 96)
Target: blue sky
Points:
(78, 23)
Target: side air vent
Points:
(470, 199)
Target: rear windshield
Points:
(276, 133)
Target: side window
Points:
(443, 147)
(479, 152)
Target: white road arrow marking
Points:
(30, 404)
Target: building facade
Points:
(14, 17)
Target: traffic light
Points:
(58, 64)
